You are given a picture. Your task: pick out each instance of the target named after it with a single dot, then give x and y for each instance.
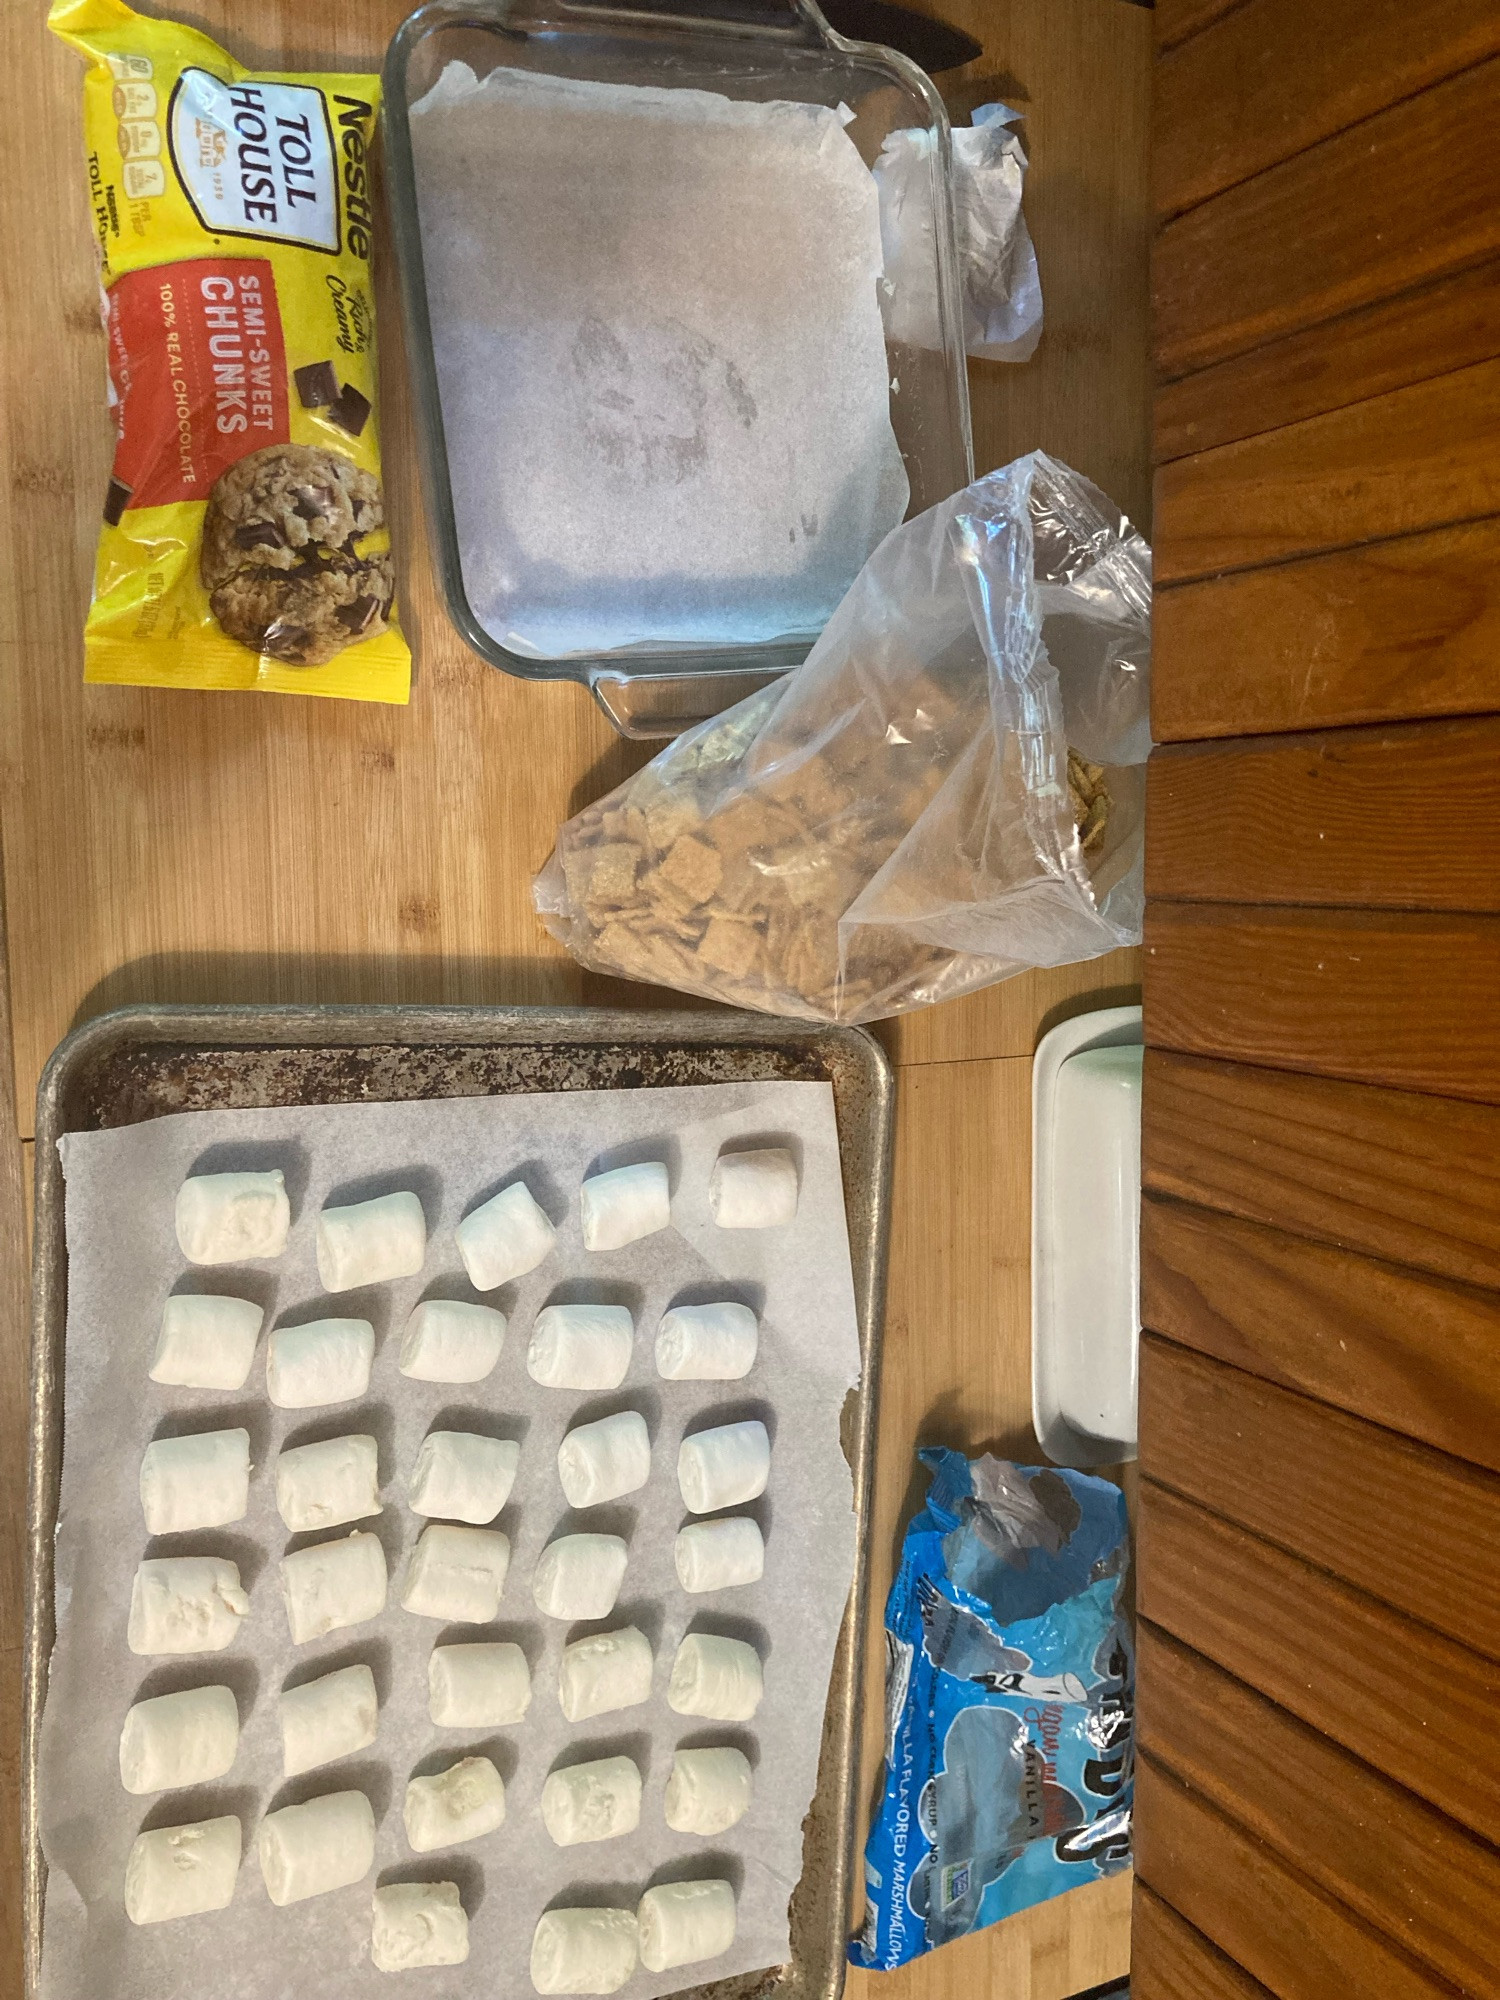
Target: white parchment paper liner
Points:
(123, 1260)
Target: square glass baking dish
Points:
(756, 50)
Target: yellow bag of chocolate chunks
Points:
(244, 542)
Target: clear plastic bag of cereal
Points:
(948, 791)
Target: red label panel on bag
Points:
(199, 370)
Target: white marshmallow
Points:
(330, 1717)
(179, 1739)
(609, 1671)
(333, 1584)
(202, 1481)
(625, 1204)
(418, 1923)
(724, 1467)
(232, 1218)
(181, 1871)
(719, 1679)
(579, 1576)
(753, 1190)
(587, 1802)
(581, 1347)
(683, 1923)
(206, 1342)
(185, 1604)
(457, 1574)
(604, 1460)
(506, 1237)
(708, 1791)
(462, 1476)
(370, 1242)
(308, 1850)
(712, 1343)
(324, 1485)
(483, 1685)
(584, 1951)
(450, 1340)
(720, 1555)
(462, 1803)
(323, 1361)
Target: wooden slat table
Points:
(1320, 1253)
(211, 847)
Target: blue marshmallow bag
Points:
(1009, 1705)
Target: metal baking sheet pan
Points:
(148, 1062)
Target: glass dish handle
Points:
(650, 707)
(789, 17)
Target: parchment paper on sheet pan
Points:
(123, 1260)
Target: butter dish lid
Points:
(1085, 1237)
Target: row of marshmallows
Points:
(202, 1480)
(245, 1217)
(208, 1341)
(415, 1924)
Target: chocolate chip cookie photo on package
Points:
(281, 555)
(244, 542)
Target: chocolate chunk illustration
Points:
(352, 410)
(317, 385)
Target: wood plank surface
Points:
(1274, 77)
(1071, 1945)
(1414, 1353)
(1423, 457)
(1393, 999)
(1402, 197)
(1011, 1018)
(1080, 74)
(1451, 323)
(1432, 1888)
(1327, 1487)
(1365, 1169)
(1172, 1961)
(1177, 19)
(1318, 1561)
(1288, 1933)
(1357, 818)
(1388, 1689)
(1395, 629)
